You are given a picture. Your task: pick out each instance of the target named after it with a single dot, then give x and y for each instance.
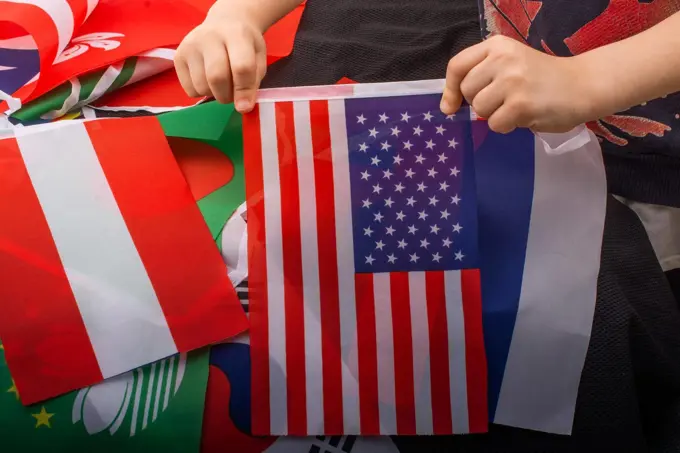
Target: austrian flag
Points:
(365, 300)
(107, 264)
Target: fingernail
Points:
(445, 106)
(244, 106)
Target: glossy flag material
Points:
(19, 63)
(107, 262)
(152, 409)
(227, 421)
(86, 89)
(542, 204)
(363, 260)
(114, 31)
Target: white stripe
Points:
(103, 85)
(19, 43)
(455, 324)
(662, 224)
(559, 288)
(159, 389)
(364, 90)
(129, 386)
(143, 108)
(310, 269)
(181, 368)
(385, 348)
(138, 396)
(122, 315)
(73, 101)
(276, 304)
(420, 334)
(14, 104)
(159, 52)
(147, 67)
(149, 392)
(61, 14)
(168, 383)
(88, 113)
(70, 101)
(345, 251)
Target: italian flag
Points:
(107, 263)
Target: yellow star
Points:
(13, 389)
(42, 418)
(2, 346)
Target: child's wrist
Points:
(607, 87)
(230, 12)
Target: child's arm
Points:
(515, 86)
(225, 56)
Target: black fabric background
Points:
(629, 398)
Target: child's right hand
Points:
(225, 58)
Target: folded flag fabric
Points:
(115, 30)
(363, 264)
(161, 93)
(107, 262)
(155, 408)
(51, 23)
(76, 37)
(541, 220)
(19, 62)
(86, 89)
(218, 126)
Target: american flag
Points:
(365, 301)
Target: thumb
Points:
(451, 101)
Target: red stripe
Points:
(328, 269)
(439, 352)
(257, 274)
(367, 355)
(46, 344)
(475, 355)
(173, 241)
(292, 270)
(403, 354)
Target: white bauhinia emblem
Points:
(83, 43)
(135, 398)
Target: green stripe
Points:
(45, 103)
(54, 99)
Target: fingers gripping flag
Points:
(363, 268)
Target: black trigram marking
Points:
(333, 444)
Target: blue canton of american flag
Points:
(412, 185)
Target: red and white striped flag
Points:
(107, 263)
(365, 302)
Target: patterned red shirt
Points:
(571, 27)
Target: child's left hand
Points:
(513, 85)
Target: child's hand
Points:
(513, 85)
(225, 58)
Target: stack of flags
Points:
(339, 266)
